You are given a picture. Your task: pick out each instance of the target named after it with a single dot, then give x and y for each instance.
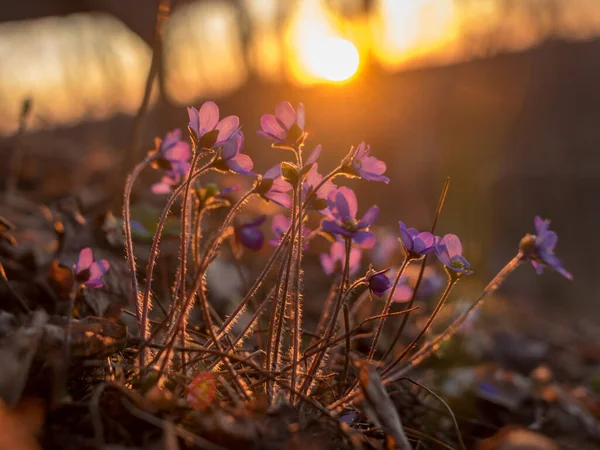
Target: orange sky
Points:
(91, 66)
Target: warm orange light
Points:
(318, 52)
(333, 58)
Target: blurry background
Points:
(500, 95)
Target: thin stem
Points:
(297, 335)
(162, 15)
(325, 313)
(441, 400)
(67, 349)
(258, 311)
(276, 318)
(313, 351)
(208, 256)
(282, 303)
(316, 363)
(347, 354)
(258, 282)
(184, 241)
(438, 213)
(493, 285)
(153, 255)
(386, 307)
(450, 331)
(184, 231)
(451, 282)
(197, 234)
(188, 301)
(127, 229)
(349, 291)
(16, 161)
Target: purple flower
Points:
(206, 119)
(385, 248)
(379, 282)
(277, 127)
(343, 208)
(314, 155)
(167, 183)
(403, 291)
(311, 181)
(280, 225)
(272, 187)
(381, 285)
(369, 168)
(174, 156)
(231, 159)
(449, 252)
(249, 234)
(175, 153)
(542, 253)
(430, 285)
(335, 259)
(89, 272)
(416, 243)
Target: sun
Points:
(332, 58)
(318, 51)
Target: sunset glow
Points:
(334, 59)
(319, 52)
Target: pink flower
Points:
(206, 120)
(277, 127)
(89, 272)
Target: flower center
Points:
(350, 225)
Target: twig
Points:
(17, 158)
(162, 16)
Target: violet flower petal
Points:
(85, 260)
(208, 116)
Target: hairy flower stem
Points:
(346, 369)
(386, 308)
(400, 330)
(319, 329)
(453, 279)
(432, 346)
(314, 350)
(184, 243)
(198, 282)
(197, 235)
(245, 332)
(283, 299)
(233, 317)
(349, 291)
(276, 318)
(184, 225)
(492, 286)
(316, 362)
(127, 230)
(153, 256)
(297, 336)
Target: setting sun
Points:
(320, 53)
(333, 58)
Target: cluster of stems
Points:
(284, 363)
